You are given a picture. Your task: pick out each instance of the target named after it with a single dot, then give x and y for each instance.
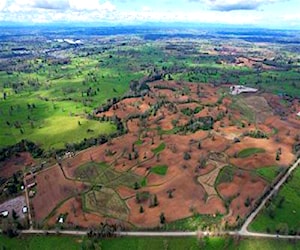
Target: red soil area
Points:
(182, 175)
(76, 216)
(189, 201)
(242, 187)
(215, 143)
(129, 106)
(52, 188)
(15, 164)
(259, 160)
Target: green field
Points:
(250, 151)
(141, 243)
(159, 149)
(50, 106)
(282, 214)
(269, 172)
(225, 175)
(160, 170)
(50, 125)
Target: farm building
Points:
(4, 213)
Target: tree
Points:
(136, 186)
(153, 201)
(186, 156)
(170, 193)
(247, 202)
(141, 209)
(162, 218)
(277, 156)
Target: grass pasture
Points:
(61, 97)
(250, 151)
(160, 169)
(49, 124)
(282, 214)
(138, 243)
(269, 172)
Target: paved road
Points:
(66, 232)
(244, 229)
(167, 234)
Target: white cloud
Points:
(229, 5)
(91, 5)
(2, 4)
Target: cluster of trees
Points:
(195, 124)
(256, 134)
(104, 230)
(22, 146)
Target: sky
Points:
(260, 13)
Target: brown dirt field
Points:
(76, 216)
(191, 105)
(129, 106)
(219, 144)
(125, 192)
(254, 161)
(15, 164)
(252, 63)
(242, 186)
(52, 188)
(231, 132)
(182, 195)
(97, 154)
(271, 147)
(208, 168)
